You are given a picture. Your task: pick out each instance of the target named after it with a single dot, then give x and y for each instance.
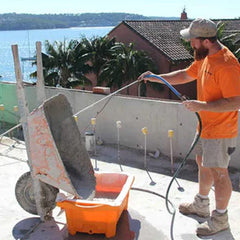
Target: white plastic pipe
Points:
(170, 135)
(145, 132)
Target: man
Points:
(217, 72)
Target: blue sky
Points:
(168, 8)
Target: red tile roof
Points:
(164, 34)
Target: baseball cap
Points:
(200, 28)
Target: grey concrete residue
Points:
(146, 218)
(68, 142)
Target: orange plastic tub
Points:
(102, 213)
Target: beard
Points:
(200, 53)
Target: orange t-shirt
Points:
(218, 76)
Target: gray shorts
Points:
(215, 152)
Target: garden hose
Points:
(182, 98)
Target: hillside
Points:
(13, 21)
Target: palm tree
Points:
(114, 64)
(229, 41)
(60, 67)
(125, 65)
(96, 52)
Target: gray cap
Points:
(200, 28)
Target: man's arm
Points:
(221, 105)
(174, 78)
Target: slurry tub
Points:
(102, 213)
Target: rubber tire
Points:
(25, 196)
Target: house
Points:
(161, 40)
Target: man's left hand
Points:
(194, 105)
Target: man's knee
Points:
(199, 160)
(220, 174)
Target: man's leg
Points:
(219, 217)
(205, 177)
(200, 205)
(216, 155)
(223, 187)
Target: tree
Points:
(96, 52)
(60, 65)
(114, 63)
(125, 65)
(230, 41)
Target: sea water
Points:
(26, 41)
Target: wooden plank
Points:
(40, 80)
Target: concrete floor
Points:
(146, 217)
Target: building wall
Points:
(124, 34)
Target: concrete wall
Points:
(136, 113)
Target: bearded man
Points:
(217, 73)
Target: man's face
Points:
(200, 52)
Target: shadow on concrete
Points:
(128, 228)
(134, 158)
(22, 228)
(131, 226)
(34, 228)
(219, 236)
(123, 230)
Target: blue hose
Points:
(181, 97)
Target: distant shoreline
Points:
(13, 21)
(85, 27)
(91, 27)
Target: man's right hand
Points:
(143, 77)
